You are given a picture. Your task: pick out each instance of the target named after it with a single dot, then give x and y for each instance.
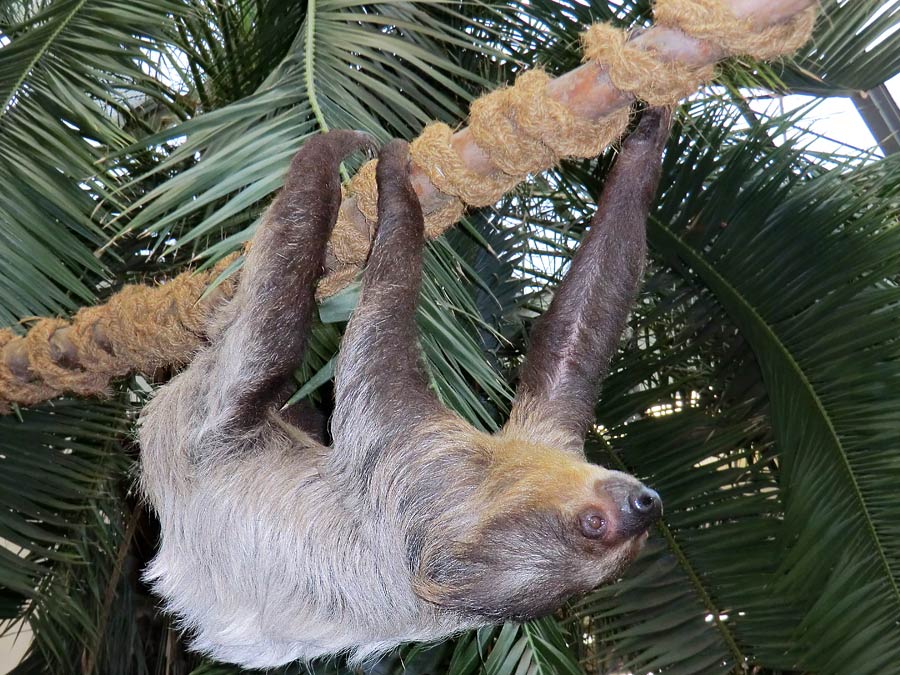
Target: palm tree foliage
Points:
(758, 388)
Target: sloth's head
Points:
(549, 526)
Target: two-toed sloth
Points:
(413, 525)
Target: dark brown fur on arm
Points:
(380, 353)
(573, 342)
(384, 409)
(276, 296)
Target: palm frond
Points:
(385, 68)
(59, 468)
(854, 48)
(749, 411)
(70, 74)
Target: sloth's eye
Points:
(593, 524)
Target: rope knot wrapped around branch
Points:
(521, 129)
(645, 74)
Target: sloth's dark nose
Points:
(646, 505)
(637, 507)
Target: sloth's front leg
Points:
(218, 406)
(383, 397)
(573, 342)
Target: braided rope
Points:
(522, 129)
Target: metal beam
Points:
(882, 115)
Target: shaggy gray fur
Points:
(413, 526)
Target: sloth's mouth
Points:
(637, 543)
(627, 552)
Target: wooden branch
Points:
(588, 93)
(146, 327)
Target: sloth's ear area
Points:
(430, 590)
(469, 580)
(450, 578)
(516, 566)
(450, 571)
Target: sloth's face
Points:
(613, 510)
(550, 526)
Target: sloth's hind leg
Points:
(221, 401)
(383, 397)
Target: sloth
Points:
(412, 525)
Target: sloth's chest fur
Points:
(265, 562)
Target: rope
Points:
(648, 76)
(712, 21)
(139, 328)
(522, 129)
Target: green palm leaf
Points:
(812, 307)
(776, 508)
(384, 68)
(853, 49)
(70, 71)
(59, 467)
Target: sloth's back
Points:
(264, 560)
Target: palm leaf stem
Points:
(309, 65)
(687, 568)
